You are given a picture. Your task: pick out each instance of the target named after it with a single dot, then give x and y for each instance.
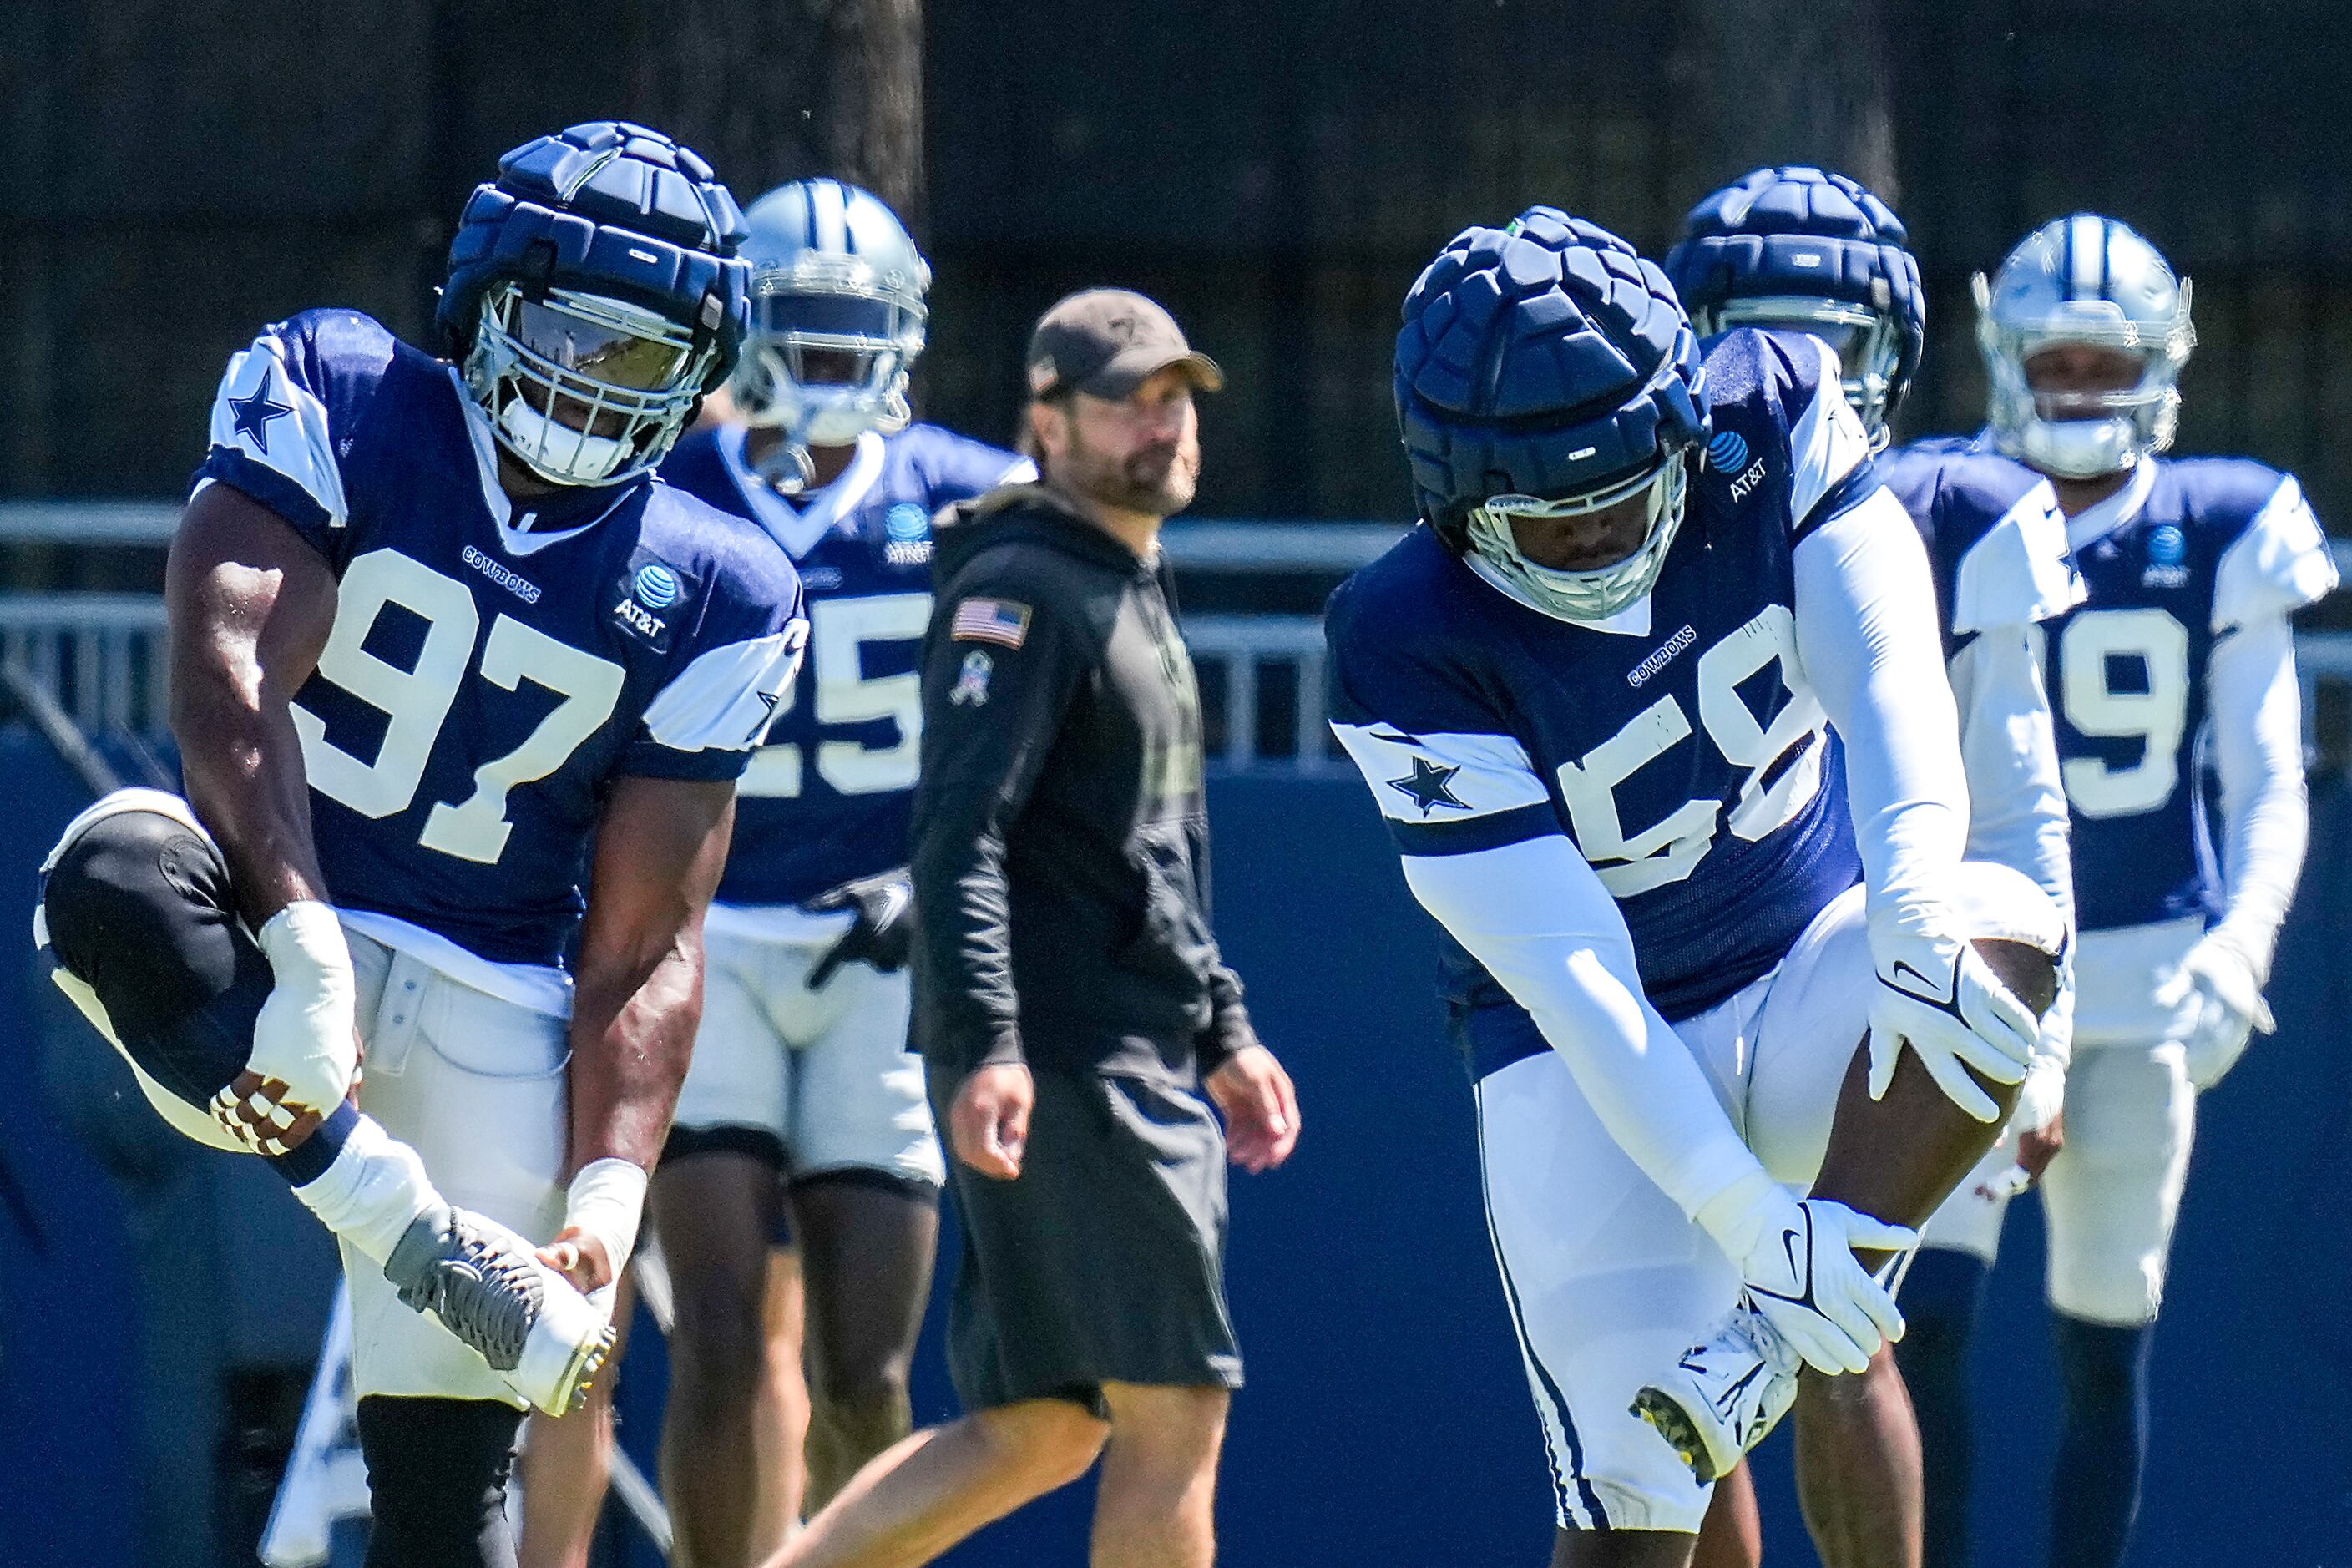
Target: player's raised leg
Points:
(1859, 1471)
(253, 1047)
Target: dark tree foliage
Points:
(1789, 81)
(772, 91)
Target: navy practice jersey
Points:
(1691, 764)
(489, 676)
(1996, 539)
(830, 797)
(2188, 550)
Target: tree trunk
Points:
(1789, 81)
(772, 91)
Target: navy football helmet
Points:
(837, 318)
(1802, 250)
(594, 298)
(1546, 370)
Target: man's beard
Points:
(1157, 481)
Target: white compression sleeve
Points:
(2017, 806)
(1536, 915)
(1866, 635)
(2257, 726)
(2017, 802)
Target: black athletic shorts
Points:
(1104, 1262)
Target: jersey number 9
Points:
(2095, 644)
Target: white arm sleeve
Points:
(1868, 637)
(2257, 732)
(2017, 804)
(1536, 915)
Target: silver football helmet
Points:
(2084, 279)
(837, 318)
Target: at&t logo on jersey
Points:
(906, 535)
(654, 587)
(1727, 454)
(2168, 553)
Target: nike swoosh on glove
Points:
(1797, 1260)
(1941, 996)
(881, 935)
(2218, 977)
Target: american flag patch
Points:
(1004, 622)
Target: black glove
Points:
(883, 931)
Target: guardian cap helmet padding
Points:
(593, 297)
(1545, 369)
(1798, 248)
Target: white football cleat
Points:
(484, 1284)
(1725, 1394)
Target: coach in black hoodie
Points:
(1070, 1003)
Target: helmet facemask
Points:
(583, 389)
(2084, 434)
(1604, 591)
(831, 347)
(1868, 344)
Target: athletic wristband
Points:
(607, 1199)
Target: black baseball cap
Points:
(1106, 343)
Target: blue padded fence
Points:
(1385, 1422)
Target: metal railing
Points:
(101, 656)
(101, 659)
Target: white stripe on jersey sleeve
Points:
(302, 448)
(728, 696)
(2021, 571)
(1827, 442)
(2279, 564)
(1453, 777)
(1022, 471)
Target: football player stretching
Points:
(1701, 949)
(1797, 251)
(440, 640)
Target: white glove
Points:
(2219, 979)
(1940, 994)
(1797, 1260)
(306, 1036)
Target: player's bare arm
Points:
(659, 850)
(251, 606)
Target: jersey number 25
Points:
(839, 632)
